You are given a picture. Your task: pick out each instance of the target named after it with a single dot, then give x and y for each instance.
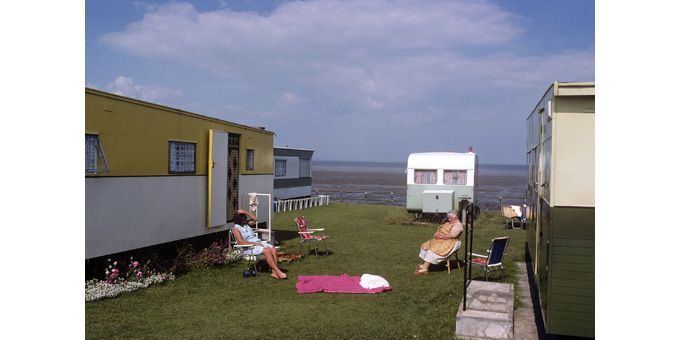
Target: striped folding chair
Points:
(307, 236)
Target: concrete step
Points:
(489, 312)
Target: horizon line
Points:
(400, 162)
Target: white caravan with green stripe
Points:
(437, 182)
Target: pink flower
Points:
(135, 264)
(139, 275)
(115, 270)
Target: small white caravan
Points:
(437, 182)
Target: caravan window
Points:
(94, 153)
(305, 167)
(250, 159)
(455, 177)
(280, 167)
(425, 176)
(182, 159)
(91, 142)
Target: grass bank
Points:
(220, 303)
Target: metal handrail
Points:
(469, 227)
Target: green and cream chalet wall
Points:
(155, 174)
(561, 206)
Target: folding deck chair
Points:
(493, 261)
(307, 237)
(454, 253)
(511, 216)
(252, 260)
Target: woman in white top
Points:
(244, 234)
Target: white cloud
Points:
(409, 66)
(125, 86)
(288, 98)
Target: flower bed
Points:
(141, 275)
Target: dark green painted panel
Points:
(584, 325)
(544, 250)
(559, 290)
(572, 330)
(585, 259)
(293, 153)
(567, 299)
(577, 267)
(573, 223)
(577, 316)
(292, 182)
(572, 307)
(574, 283)
(564, 242)
(572, 275)
(573, 251)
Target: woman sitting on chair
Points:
(245, 235)
(442, 245)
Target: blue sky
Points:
(353, 80)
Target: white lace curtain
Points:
(455, 177)
(90, 153)
(425, 176)
(182, 157)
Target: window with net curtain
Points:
(182, 158)
(280, 168)
(425, 176)
(305, 167)
(455, 177)
(91, 153)
(250, 159)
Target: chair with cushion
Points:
(493, 261)
(307, 235)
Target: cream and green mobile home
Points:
(155, 174)
(437, 182)
(561, 206)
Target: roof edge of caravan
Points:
(291, 148)
(564, 89)
(174, 110)
(441, 160)
(574, 89)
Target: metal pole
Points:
(465, 272)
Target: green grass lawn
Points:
(220, 303)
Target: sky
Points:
(352, 80)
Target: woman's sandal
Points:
(420, 271)
(279, 278)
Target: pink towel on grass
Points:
(334, 284)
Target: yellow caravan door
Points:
(217, 178)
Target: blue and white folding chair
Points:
(493, 261)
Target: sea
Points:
(385, 183)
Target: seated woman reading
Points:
(442, 245)
(244, 234)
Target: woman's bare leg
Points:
(270, 256)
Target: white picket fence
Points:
(301, 203)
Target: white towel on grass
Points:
(369, 281)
